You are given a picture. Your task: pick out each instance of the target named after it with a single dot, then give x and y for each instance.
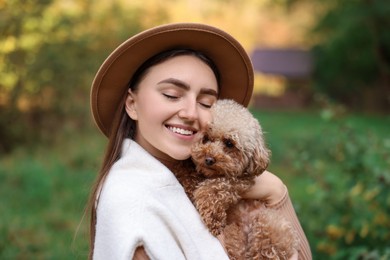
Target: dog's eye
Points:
(228, 143)
(205, 139)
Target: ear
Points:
(259, 160)
(130, 105)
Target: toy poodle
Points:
(226, 159)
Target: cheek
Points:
(151, 109)
(205, 118)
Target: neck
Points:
(169, 163)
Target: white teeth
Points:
(180, 131)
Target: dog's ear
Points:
(259, 160)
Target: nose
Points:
(189, 111)
(209, 161)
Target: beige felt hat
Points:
(113, 77)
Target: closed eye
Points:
(205, 105)
(206, 100)
(170, 96)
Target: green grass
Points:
(43, 194)
(285, 128)
(44, 190)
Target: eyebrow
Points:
(185, 86)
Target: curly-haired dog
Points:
(225, 161)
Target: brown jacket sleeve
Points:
(286, 209)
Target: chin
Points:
(180, 155)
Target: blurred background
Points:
(322, 94)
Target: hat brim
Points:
(113, 77)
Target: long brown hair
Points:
(124, 127)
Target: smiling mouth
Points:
(181, 131)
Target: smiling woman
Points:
(152, 98)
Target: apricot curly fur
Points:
(225, 161)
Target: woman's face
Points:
(171, 105)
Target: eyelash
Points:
(170, 96)
(205, 105)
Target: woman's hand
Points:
(267, 188)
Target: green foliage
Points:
(49, 53)
(348, 213)
(352, 57)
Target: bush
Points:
(346, 215)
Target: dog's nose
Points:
(209, 161)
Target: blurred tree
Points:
(353, 52)
(49, 52)
(18, 27)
